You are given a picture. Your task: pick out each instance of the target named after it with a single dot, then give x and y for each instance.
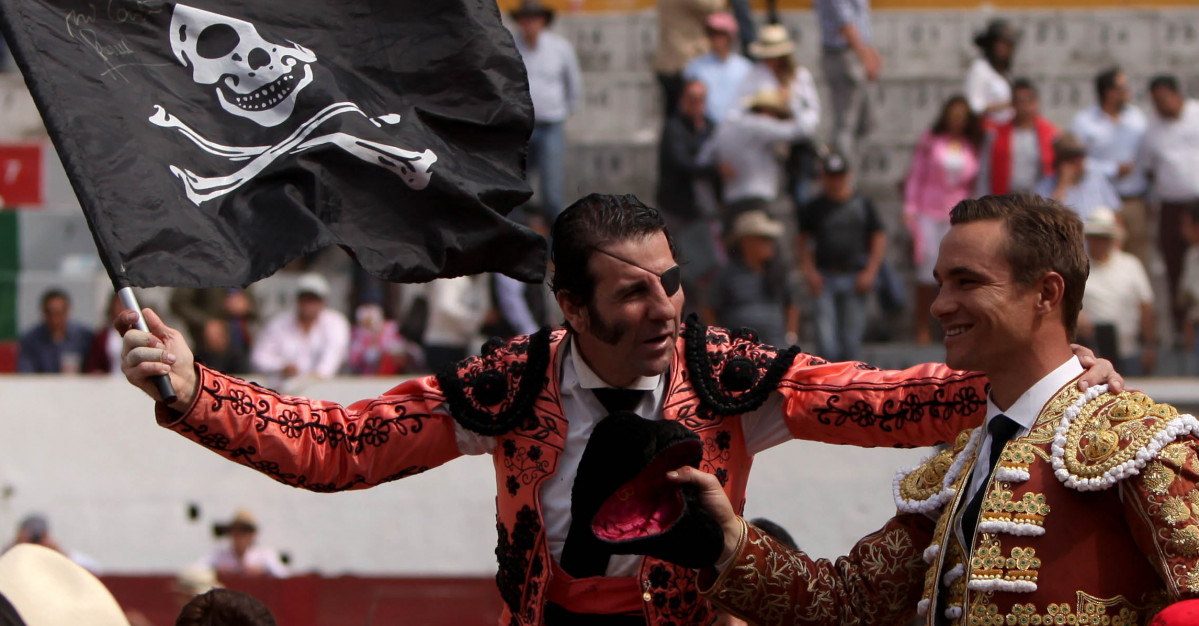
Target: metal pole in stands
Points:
(163, 381)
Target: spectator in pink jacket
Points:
(942, 173)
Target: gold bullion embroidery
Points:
(1109, 432)
(1193, 498)
(1186, 540)
(987, 562)
(1174, 510)
(1176, 454)
(1089, 611)
(1158, 478)
(1191, 580)
(927, 480)
(1018, 456)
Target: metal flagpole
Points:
(166, 391)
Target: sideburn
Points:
(610, 334)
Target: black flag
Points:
(210, 143)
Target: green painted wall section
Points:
(10, 264)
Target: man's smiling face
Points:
(986, 314)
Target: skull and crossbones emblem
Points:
(260, 80)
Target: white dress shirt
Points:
(321, 351)
(747, 141)
(1024, 411)
(986, 87)
(1112, 142)
(1170, 150)
(763, 428)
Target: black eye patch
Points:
(671, 280)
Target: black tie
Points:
(615, 400)
(1001, 428)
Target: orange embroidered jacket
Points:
(510, 392)
(1091, 518)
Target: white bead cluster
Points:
(938, 499)
(1185, 424)
(953, 574)
(1022, 529)
(922, 607)
(999, 584)
(931, 553)
(1012, 475)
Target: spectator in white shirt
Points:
(1170, 157)
(242, 556)
(1111, 131)
(311, 341)
(457, 309)
(1117, 306)
(745, 150)
(989, 79)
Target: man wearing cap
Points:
(532, 402)
(722, 69)
(1117, 318)
(313, 340)
(989, 79)
(242, 556)
(556, 88)
(1075, 182)
(841, 246)
(752, 290)
(850, 62)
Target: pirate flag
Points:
(212, 142)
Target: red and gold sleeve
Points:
(1162, 508)
(853, 403)
(316, 445)
(879, 582)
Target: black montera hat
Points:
(621, 487)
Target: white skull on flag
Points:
(255, 78)
(260, 80)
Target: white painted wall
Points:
(87, 452)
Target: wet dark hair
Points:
(52, 293)
(1105, 81)
(592, 222)
(774, 530)
(1023, 83)
(1042, 236)
(1164, 81)
(225, 607)
(973, 132)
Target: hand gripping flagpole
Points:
(166, 391)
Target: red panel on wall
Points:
(341, 601)
(22, 181)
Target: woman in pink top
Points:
(942, 174)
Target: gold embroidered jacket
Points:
(1091, 518)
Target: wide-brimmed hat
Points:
(1067, 147)
(242, 520)
(773, 42)
(769, 100)
(622, 491)
(1102, 223)
(756, 224)
(46, 588)
(997, 29)
(529, 8)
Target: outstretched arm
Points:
(765, 582)
(316, 445)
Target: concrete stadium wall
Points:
(116, 487)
